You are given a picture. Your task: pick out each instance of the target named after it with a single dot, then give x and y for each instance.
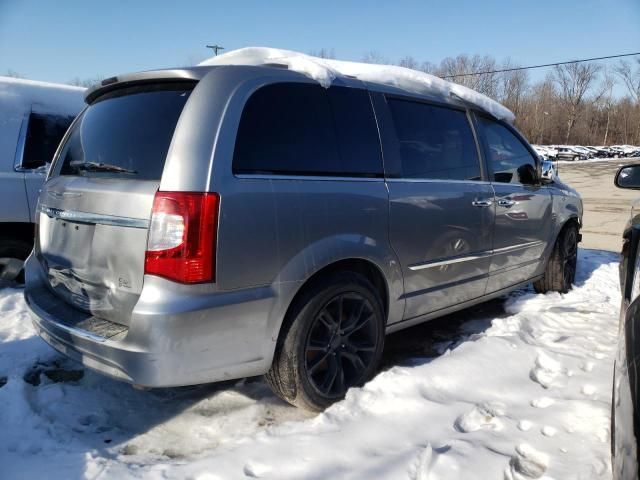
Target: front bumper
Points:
(171, 340)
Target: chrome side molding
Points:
(474, 256)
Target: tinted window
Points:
(508, 158)
(302, 129)
(44, 133)
(435, 142)
(356, 129)
(125, 134)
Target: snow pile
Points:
(325, 71)
(520, 391)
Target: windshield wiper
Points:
(100, 167)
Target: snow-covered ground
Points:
(515, 389)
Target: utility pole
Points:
(215, 48)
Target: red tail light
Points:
(182, 237)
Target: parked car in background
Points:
(624, 150)
(584, 152)
(548, 153)
(541, 151)
(602, 152)
(552, 152)
(596, 152)
(629, 150)
(625, 403)
(33, 118)
(568, 153)
(185, 238)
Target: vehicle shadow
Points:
(431, 339)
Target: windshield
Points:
(125, 133)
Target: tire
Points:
(13, 253)
(318, 358)
(575, 159)
(560, 272)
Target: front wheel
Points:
(561, 268)
(332, 340)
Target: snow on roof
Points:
(324, 71)
(40, 96)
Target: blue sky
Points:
(60, 40)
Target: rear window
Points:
(125, 133)
(305, 129)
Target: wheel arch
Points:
(365, 267)
(571, 220)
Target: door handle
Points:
(482, 203)
(505, 202)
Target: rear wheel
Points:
(561, 268)
(332, 340)
(13, 253)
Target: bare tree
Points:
(86, 82)
(373, 56)
(512, 86)
(412, 63)
(409, 62)
(538, 112)
(605, 101)
(323, 53)
(459, 68)
(630, 77)
(574, 81)
(429, 67)
(14, 74)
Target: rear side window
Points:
(305, 129)
(44, 133)
(508, 158)
(435, 142)
(125, 133)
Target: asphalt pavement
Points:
(606, 207)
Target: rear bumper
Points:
(172, 339)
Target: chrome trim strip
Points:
(93, 218)
(475, 256)
(435, 180)
(520, 246)
(328, 178)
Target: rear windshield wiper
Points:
(101, 167)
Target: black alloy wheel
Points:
(341, 344)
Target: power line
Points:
(541, 66)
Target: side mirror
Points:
(628, 177)
(548, 173)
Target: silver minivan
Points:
(211, 223)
